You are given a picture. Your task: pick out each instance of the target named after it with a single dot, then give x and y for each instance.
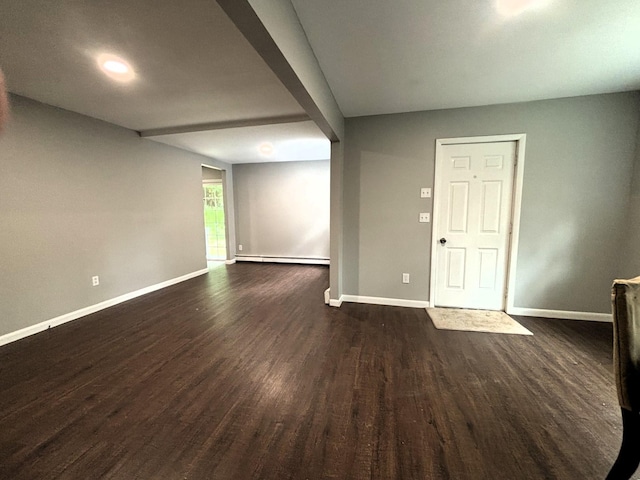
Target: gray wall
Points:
(211, 174)
(80, 197)
(577, 180)
(282, 209)
(630, 260)
(336, 238)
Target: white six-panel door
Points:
(474, 215)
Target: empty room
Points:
(305, 239)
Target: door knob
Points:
(443, 241)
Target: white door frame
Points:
(225, 187)
(518, 175)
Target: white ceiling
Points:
(290, 141)
(409, 55)
(192, 66)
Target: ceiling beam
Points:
(203, 127)
(247, 21)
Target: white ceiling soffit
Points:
(411, 55)
(191, 64)
(266, 143)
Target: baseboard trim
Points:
(230, 262)
(335, 303)
(561, 314)
(68, 317)
(392, 302)
(299, 260)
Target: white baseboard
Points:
(393, 302)
(230, 262)
(300, 260)
(68, 317)
(525, 312)
(561, 314)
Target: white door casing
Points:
(476, 200)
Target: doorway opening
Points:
(214, 217)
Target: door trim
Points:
(518, 175)
(226, 207)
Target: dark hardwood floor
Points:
(246, 374)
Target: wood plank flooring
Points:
(245, 374)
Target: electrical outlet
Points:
(425, 192)
(425, 217)
(95, 281)
(239, 248)
(405, 278)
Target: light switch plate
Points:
(425, 192)
(425, 217)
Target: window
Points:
(214, 221)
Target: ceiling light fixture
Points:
(511, 8)
(116, 68)
(266, 149)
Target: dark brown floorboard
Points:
(246, 374)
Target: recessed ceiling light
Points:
(116, 68)
(511, 8)
(265, 149)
